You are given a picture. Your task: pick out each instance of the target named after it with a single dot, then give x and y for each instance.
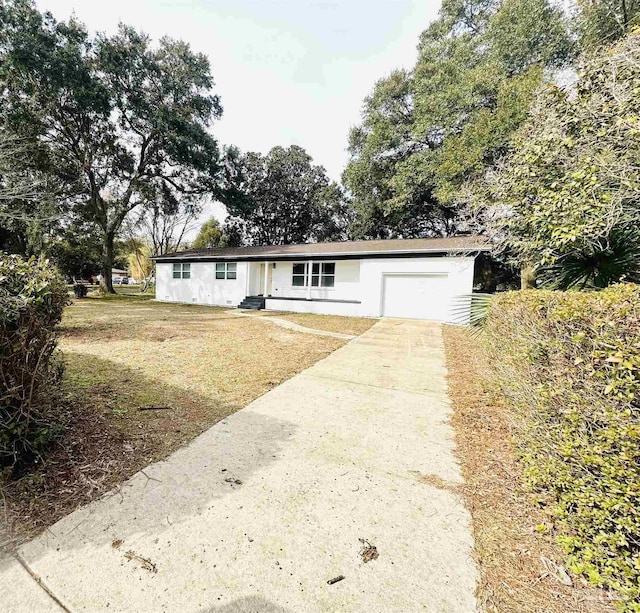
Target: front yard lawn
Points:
(328, 323)
(143, 378)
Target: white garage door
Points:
(416, 296)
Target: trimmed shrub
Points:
(569, 362)
(32, 298)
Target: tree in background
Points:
(285, 199)
(377, 147)
(115, 120)
(426, 132)
(602, 22)
(140, 265)
(28, 213)
(165, 222)
(210, 235)
(77, 251)
(567, 199)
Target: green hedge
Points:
(32, 298)
(569, 362)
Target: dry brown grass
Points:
(328, 323)
(195, 365)
(506, 522)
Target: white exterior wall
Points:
(362, 280)
(358, 282)
(320, 308)
(347, 282)
(202, 287)
(459, 271)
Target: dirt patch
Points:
(513, 536)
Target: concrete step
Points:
(255, 303)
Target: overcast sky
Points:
(288, 71)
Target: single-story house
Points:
(407, 278)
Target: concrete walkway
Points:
(260, 512)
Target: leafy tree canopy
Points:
(77, 252)
(425, 132)
(210, 235)
(286, 199)
(602, 22)
(139, 262)
(567, 199)
(28, 214)
(117, 120)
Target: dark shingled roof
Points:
(351, 249)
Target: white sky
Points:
(288, 71)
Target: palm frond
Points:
(471, 310)
(598, 264)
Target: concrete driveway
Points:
(350, 459)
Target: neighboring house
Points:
(117, 274)
(408, 278)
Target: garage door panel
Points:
(416, 296)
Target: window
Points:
(182, 271)
(299, 275)
(323, 274)
(226, 270)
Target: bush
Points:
(32, 298)
(80, 290)
(570, 364)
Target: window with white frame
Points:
(182, 271)
(322, 274)
(226, 270)
(299, 278)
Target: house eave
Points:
(301, 257)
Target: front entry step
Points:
(255, 303)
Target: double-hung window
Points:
(322, 274)
(182, 271)
(299, 278)
(226, 270)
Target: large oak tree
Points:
(285, 199)
(566, 199)
(426, 132)
(117, 120)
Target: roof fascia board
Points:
(297, 257)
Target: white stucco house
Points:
(407, 278)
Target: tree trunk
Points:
(108, 254)
(527, 277)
